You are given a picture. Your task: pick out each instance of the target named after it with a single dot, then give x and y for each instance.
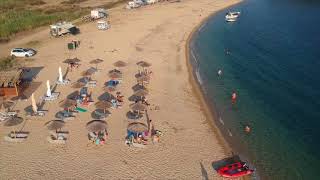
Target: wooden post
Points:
(15, 86)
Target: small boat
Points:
(232, 16)
(234, 170)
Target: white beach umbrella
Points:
(33, 103)
(48, 89)
(60, 75)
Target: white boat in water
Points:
(232, 16)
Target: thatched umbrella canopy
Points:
(13, 121)
(55, 125)
(120, 64)
(137, 127)
(141, 92)
(103, 104)
(143, 78)
(70, 61)
(78, 85)
(138, 106)
(143, 64)
(96, 126)
(67, 103)
(115, 71)
(115, 75)
(96, 61)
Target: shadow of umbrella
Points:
(13, 121)
(74, 95)
(134, 98)
(77, 85)
(137, 87)
(54, 125)
(100, 114)
(120, 64)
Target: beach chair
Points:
(53, 140)
(11, 113)
(63, 134)
(15, 140)
(39, 113)
(18, 134)
(53, 97)
(64, 82)
(92, 83)
(3, 116)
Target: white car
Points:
(22, 52)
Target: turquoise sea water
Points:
(274, 66)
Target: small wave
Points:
(194, 58)
(221, 121)
(198, 77)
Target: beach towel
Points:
(81, 109)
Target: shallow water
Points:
(273, 66)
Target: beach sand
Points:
(157, 34)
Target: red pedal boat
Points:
(234, 170)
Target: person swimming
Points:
(247, 129)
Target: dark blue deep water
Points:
(274, 66)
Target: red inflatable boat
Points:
(237, 169)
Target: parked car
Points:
(22, 52)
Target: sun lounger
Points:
(92, 136)
(92, 83)
(64, 82)
(3, 116)
(18, 134)
(10, 139)
(12, 113)
(40, 113)
(53, 97)
(63, 134)
(51, 139)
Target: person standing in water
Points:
(233, 97)
(219, 72)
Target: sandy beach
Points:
(157, 34)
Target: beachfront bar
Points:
(10, 82)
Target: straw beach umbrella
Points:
(96, 126)
(137, 127)
(115, 71)
(138, 106)
(103, 105)
(5, 104)
(34, 104)
(143, 64)
(120, 64)
(96, 62)
(115, 75)
(70, 61)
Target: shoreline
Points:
(197, 89)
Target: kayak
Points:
(234, 170)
